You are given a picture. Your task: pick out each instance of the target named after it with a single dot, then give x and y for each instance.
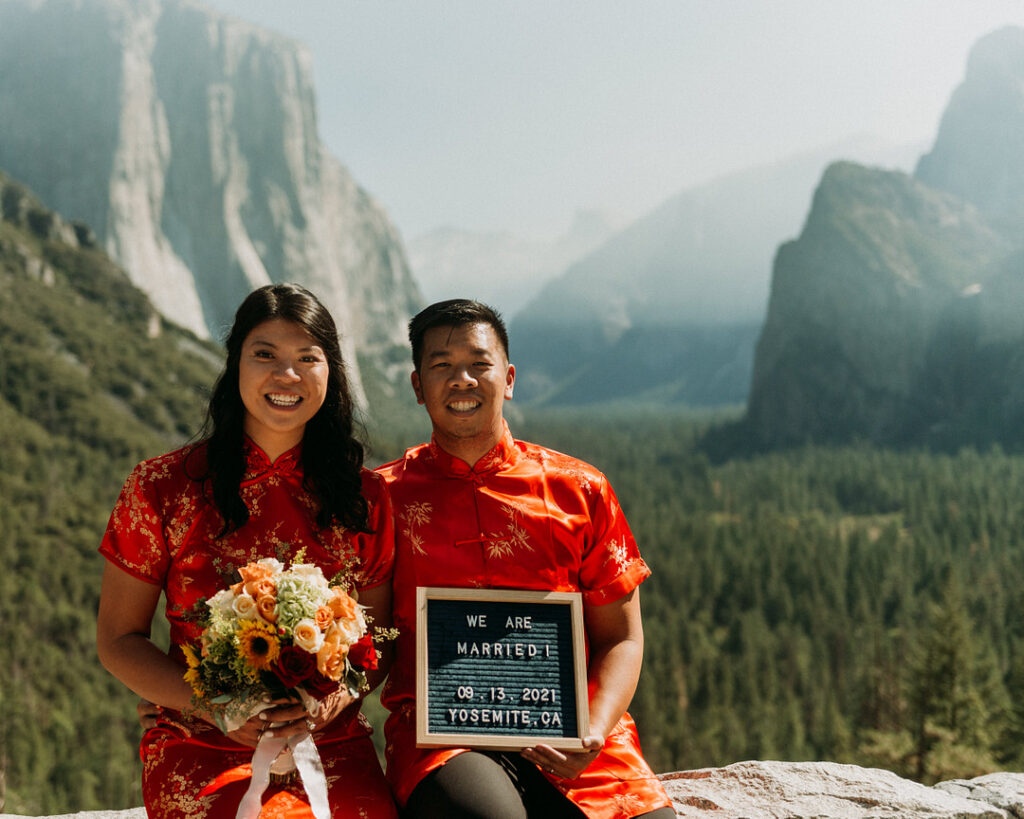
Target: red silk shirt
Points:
(163, 531)
(524, 517)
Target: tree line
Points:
(851, 604)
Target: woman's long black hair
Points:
(332, 457)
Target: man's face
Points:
(464, 380)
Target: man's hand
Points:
(148, 713)
(565, 765)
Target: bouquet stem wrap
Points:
(307, 761)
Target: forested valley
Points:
(849, 604)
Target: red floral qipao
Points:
(524, 517)
(164, 531)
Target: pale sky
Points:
(513, 114)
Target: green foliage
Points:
(91, 381)
(850, 604)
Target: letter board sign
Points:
(500, 668)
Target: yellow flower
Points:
(258, 643)
(192, 675)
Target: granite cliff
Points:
(188, 141)
(857, 302)
(977, 152)
(895, 317)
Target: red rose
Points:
(294, 666)
(318, 685)
(363, 655)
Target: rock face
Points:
(807, 790)
(896, 316)
(977, 154)
(856, 303)
(827, 790)
(188, 141)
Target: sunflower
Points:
(192, 676)
(258, 643)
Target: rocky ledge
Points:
(805, 790)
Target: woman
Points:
(277, 470)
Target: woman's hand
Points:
(283, 718)
(288, 717)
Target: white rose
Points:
(244, 606)
(307, 636)
(221, 602)
(276, 565)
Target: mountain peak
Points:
(999, 53)
(977, 152)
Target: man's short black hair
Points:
(453, 313)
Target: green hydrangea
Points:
(297, 600)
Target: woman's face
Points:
(282, 378)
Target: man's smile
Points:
(463, 405)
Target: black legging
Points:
(493, 785)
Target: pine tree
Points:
(950, 715)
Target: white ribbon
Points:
(311, 773)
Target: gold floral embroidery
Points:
(618, 553)
(177, 795)
(513, 539)
(628, 803)
(414, 516)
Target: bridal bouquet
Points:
(278, 632)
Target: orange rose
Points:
(261, 587)
(323, 617)
(255, 571)
(266, 606)
(330, 659)
(342, 605)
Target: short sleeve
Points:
(376, 548)
(134, 539)
(611, 566)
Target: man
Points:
(476, 508)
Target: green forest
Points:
(849, 604)
(846, 604)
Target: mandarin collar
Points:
(258, 464)
(504, 452)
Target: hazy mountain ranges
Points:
(897, 316)
(499, 268)
(668, 310)
(188, 141)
